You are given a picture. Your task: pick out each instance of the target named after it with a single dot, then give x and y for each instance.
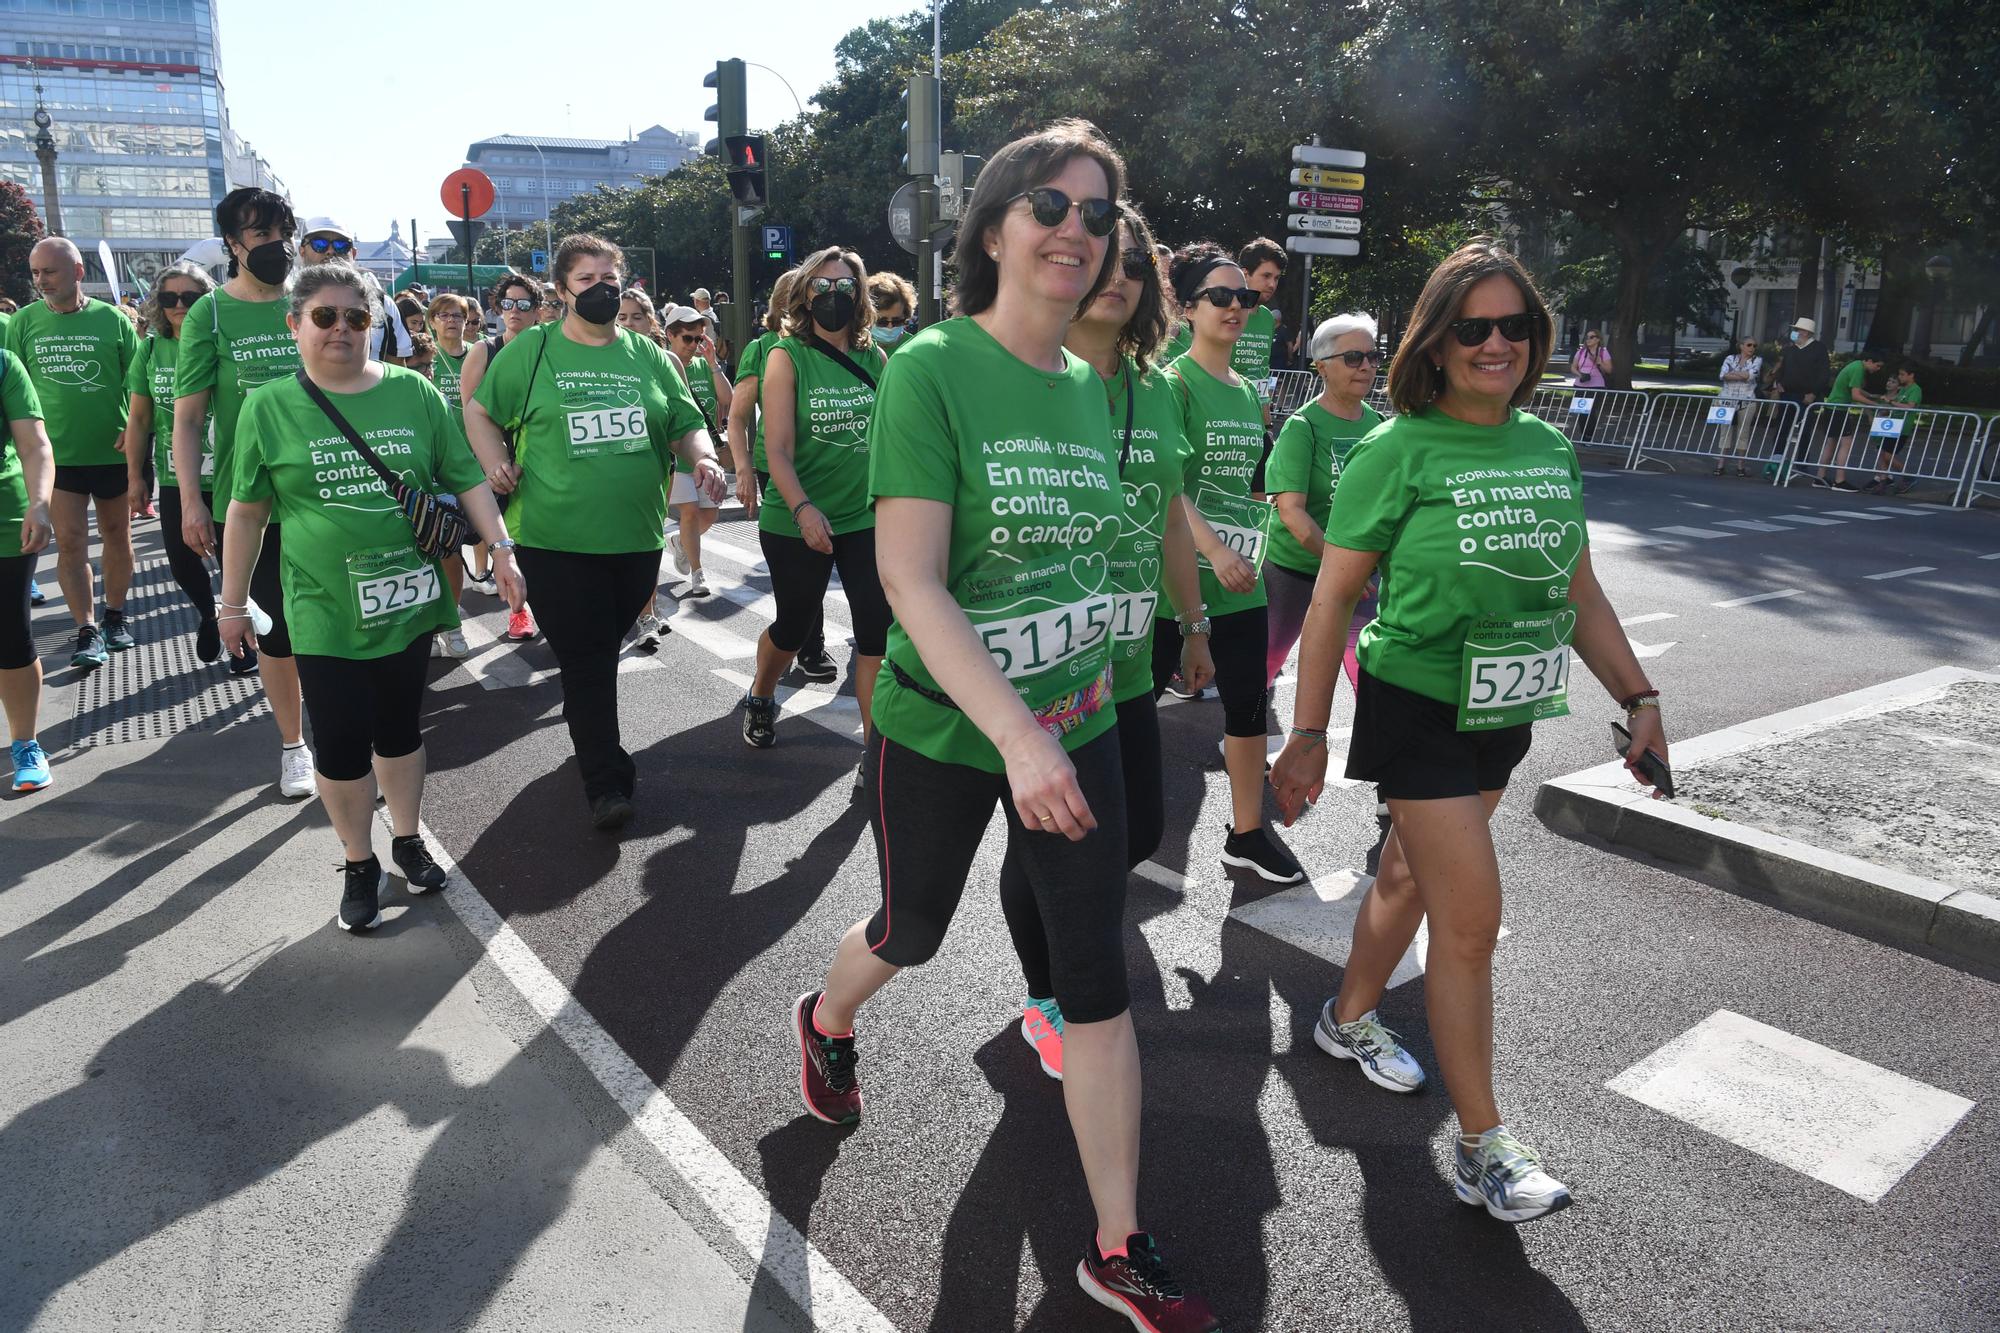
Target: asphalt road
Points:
(1291, 1192)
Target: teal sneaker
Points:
(31, 766)
(90, 649)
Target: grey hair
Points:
(306, 283)
(150, 313)
(1333, 330)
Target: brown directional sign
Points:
(1324, 202)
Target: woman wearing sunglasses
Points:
(1223, 419)
(1473, 511)
(150, 425)
(690, 343)
(1301, 474)
(997, 505)
(595, 412)
(895, 301)
(517, 299)
(818, 393)
(361, 599)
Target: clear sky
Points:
(364, 115)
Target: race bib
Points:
(390, 585)
(1515, 669)
(1243, 524)
(1132, 615)
(1026, 646)
(604, 432)
(208, 463)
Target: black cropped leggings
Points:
(1237, 642)
(799, 577)
(190, 570)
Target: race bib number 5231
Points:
(604, 431)
(1515, 669)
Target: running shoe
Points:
(697, 584)
(1843, 485)
(1258, 850)
(147, 510)
(1879, 486)
(90, 649)
(1377, 1050)
(295, 771)
(452, 643)
(1902, 488)
(36, 597)
(484, 582)
(521, 625)
(826, 1068)
(1179, 688)
(208, 640)
(679, 555)
(1504, 1175)
(1042, 1028)
(361, 895)
(1138, 1285)
(245, 665)
(760, 722)
(815, 663)
(610, 811)
(31, 766)
(646, 635)
(117, 634)
(414, 859)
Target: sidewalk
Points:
(223, 1113)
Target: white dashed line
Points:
(1901, 573)
(1760, 597)
(1814, 519)
(1856, 513)
(1706, 534)
(1647, 619)
(1994, 556)
(1752, 525)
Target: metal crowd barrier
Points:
(1982, 479)
(1598, 420)
(1296, 388)
(1756, 431)
(1911, 446)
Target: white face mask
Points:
(1798, 335)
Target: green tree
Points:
(20, 227)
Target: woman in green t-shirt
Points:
(150, 425)
(1224, 422)
(997, 510)
(361, 601)
(1301, 474)
(1473, 511)
(27, 478)
(595, 412)
(818, 394)
(689, 342)
(517, 299)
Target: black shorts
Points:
(105, 481)
(1410, 747)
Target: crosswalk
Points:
(1616, 535)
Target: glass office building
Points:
(144, 144)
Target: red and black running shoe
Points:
(826, 1068)
(1137, 1285)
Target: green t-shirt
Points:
(78, 362)
(749, 364)
(18, 402)
(701, 382)
(1311, 446)
(1224, 425)
(1178, 343)
(829, 440)
(1910, 395)
(1846, 382)
(1153, 468)
(230, 347)
(355, 584)
(153, 374)
(1473, 523)
(1024, 458)
(446, 371)
(594, 436)
(5, 319)
(1252, 355)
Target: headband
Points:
(1190, 281)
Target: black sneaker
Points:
(760, 722)
(1879, 486)
(815, 663)
(1846, 486)
(245, 665)
(89, 648)
(414, 859)
(117, 636)
(612, 810)
(1138, 1285)
(360, 899)
(1257, 850)
(1902, 488)
(208, 640)
(1179, 689)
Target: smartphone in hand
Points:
(1651, 767)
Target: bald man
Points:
(77, 351)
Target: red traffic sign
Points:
(1323, 202)
(467, 193)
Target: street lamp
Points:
(45, 151)
(1739, 278)
(548, 232)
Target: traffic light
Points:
(746, 169)
(730, 112)
(956, 174)
(920, 126)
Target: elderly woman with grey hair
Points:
(362, 601)
(1301, 474)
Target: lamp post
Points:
(45, 152)
(548, 232)
(1739, 278)
(1938, 269)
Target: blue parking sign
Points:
(538, 260)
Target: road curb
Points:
(1953, 925)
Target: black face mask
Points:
(833, 311)
(270, 262)
(597, 304)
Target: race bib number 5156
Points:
(604, 431)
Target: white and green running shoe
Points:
(1376, 1049)
(1504, 1175)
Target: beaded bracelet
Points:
(801, 505)
(1309, 734)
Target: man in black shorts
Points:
(77, 351)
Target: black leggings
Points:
(584, 604)
(1237, 643)
(190, 570)
(929, 818)
(798, 583)
(17, 635)
(265, 590)
(1145, 824)
(815, 640)
(364, 705)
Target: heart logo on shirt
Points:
(1149, 572)
(1565, 625)
(1553, 536)
(1147, 494)
(1090, 571)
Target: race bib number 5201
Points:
(601, 432)
(1243, 524)
(1515, 669)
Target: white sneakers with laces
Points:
(295, 772)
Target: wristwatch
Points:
(1193, 627)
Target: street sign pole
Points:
(465, 212)
(739, 281)
(1305, 329)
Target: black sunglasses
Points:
(320, 245)
(168, 300)
(1050, 206)
(1136, 264)
(326, 316)
(1224, 297)
(1354, 360)
(518, 303)
(1472, 332)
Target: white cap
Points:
(1807, 325)
(680, 314)
(699, 294)
(325, 226)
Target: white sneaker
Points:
(697, 584)
(1366, 1042)
(646, 635)
(453, 644)
(484, 582)
(295, 772)
(679, 556)
(1505, 1176)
